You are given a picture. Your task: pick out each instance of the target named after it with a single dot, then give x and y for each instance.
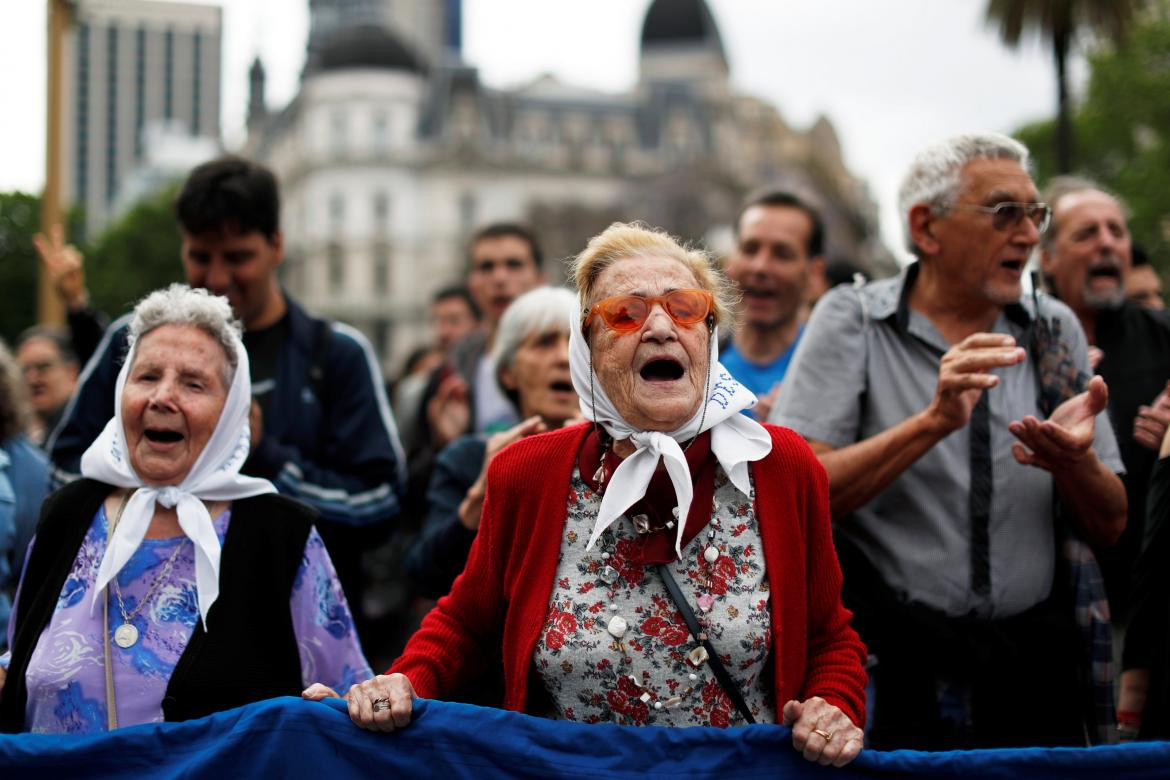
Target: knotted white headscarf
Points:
(736, 440)
(215, 476)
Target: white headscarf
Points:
(214, 477)
(736, 440)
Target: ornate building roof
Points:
(366, 46)
(681, 23)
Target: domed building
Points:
(394, 151)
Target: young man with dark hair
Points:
(779, 249)
(454, 315)
(504, 262)
(322, 429)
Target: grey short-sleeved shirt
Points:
(866, 363)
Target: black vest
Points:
(248, 652)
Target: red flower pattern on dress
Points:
(625, 699)
(622, 560)
(669, 633)
(596, 687)
(554, 639)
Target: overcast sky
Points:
(891, 75)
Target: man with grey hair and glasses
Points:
(952, 414)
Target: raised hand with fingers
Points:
(965, 372)
(822, 732)
(472, 505)
(64, 265)
(449, 412)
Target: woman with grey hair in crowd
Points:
(166, 585)
(531, 360)
(24, 480)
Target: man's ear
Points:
(1047, 262)
(921, 221)
(277, 243)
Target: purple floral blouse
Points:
(66, 672)
(644, 677)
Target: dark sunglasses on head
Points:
(1009, 213)
(628, 312)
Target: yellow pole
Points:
(49, 308)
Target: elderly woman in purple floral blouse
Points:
(165, 585)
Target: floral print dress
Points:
(645, 678)
(66, 671)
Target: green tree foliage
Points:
(1123, 131)
(1059, 22)
(136, 254)
(20, 219)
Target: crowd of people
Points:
(690, 491)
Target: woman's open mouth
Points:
(662, 370)
(160, 436)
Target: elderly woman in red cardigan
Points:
(668, 563)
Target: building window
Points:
(338, 132)
(197, 82)
(381, 213)
(169, 74)
(381, 268)
(139, 90)
(82, 171)
(381, 135)
(336, 268)
(466, 214)
(336, 212)
(111, 112)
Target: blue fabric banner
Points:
(296, 739)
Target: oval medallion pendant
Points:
(125, 635)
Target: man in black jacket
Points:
(1086, 258)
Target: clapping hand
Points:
(1065, 438)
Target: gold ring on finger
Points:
(825, 735)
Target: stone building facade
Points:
(394, 151)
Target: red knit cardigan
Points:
(503, 594)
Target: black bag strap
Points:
(721, 674)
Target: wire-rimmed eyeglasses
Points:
(1008, 214)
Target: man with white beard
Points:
(1086, 258)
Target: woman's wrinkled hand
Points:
(383, 703)
(822, 732)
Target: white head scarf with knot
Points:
(736, 440)
(215, 476)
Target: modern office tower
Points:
(131, 67)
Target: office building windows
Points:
(111, 112)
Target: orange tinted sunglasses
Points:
(628, 312)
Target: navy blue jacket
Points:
(439, 553)
(339, 453)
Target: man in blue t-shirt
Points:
(779, 248)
